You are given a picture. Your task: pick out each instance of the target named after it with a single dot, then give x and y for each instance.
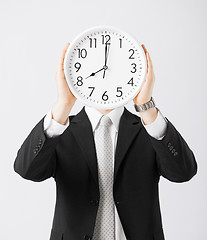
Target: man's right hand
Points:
(66, 99)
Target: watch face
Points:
(105, 67)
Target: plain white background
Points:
(33, 34)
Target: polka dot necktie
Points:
(104, 226)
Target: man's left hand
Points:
(145, 93)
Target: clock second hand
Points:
(94, 73)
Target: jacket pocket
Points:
(56, 235)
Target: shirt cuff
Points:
(158, 127)
(53, 128)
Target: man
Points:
(144, 148)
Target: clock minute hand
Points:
(94, 73)
(106, 57)
(105, 54)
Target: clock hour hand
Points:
(94, 73)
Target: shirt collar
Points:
(94, 116)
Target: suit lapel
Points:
(129, 127)
(81, 128)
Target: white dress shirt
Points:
(156, 129)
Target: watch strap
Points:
(145, 106)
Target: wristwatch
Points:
(145, 106)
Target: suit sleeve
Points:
(175, 160)
(36, 158)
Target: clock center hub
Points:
(105, 67)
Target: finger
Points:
(146, 55)
(64, 50)
(62, 56)
(145, 51)
(144, 48)
(149, 63)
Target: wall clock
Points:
(105, 67)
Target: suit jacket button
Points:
(175, 153)
(173, 150)
(117, 202)
(170, 148)
(94, 201)
(86, 237)
(169, 144)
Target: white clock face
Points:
(105, 67)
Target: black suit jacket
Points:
(140, 160)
